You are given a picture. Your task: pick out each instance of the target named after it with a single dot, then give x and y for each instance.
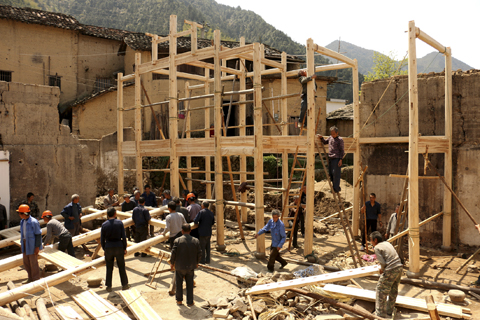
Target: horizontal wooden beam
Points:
(206, 65)
(419, 177)
(405, 232)
(333, 54)
(181, 75)
(226, 53)
(436, 144)
(430, 41)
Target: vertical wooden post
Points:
(154, 48)
(357, 160)
(208, 167)
(447, 196)
(243, 132)
(413, 219)
(224, 74)
(258, 153)
(218, 147)
(194, 38)
(188, 122)
(138, 123)
(262, 53)
(284, 119)
(310, 172)
(120, 133)
(173, 109)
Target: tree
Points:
(385, 66)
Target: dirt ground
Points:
(330, 247)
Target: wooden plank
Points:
(357, 159)
(67, 313)
(413, 206)
(60, 259)
(138, 123)
(97, 307)
(314, 280)
(402, 301)
(401, 234)
(208, 163)
(173, 109)
(10, 234)
(138, 305)
(243, 132)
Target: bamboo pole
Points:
(138, 124)
(120, 133)
(218, 146)
(448, 162)
(258, 152)
(413, 208)
(173, 109)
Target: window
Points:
(102, 84)
(6, 76)
(55, 81)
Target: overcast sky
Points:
(374, 24)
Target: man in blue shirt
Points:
(373, 214)
(114, 243)
(31, 240)
(277, 229)
(141, 217)
(150, 201)
(205, 219)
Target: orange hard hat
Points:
(190, 195)
(24, 208)
(47, 213)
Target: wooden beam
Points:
(226, 53)
(448, 161)
(357, 154)
(138, 305)
(120, 186)
(138, 123)
(430, 41)
(413, 207)
(420, 177)
(333, 54)
(405, 232)
(208, 166)
(258, 152)
(187, 127)
(180, 74)
(203, 64)
(314, 280)
(284, 119)
(243, 131)
(218, 110)
(173, 109)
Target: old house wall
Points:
(44, 157)
(390, 119)
(34, 52)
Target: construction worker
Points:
(186, 255)
(166, 198)
(174, 222)
(136, 196)
(205, 220)
(141, 217)
(3, 216)
(72, 213)
(193, 209)
(34, 211)
(150, 201)
(336, 151)
(181, 209)
(128, 205)
(31, 240)
(303, 79)
(111, 199)
(373, 214)
(390, 274)
(56, 230)
(392, 223)
(114, 243)
(277, 229)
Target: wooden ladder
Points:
(352, 245)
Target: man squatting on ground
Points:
(277, 229)
(303, 79)
(390, 274)
(186, 255)
(56, 230)
(336, 151)
(205, 220)
(141, 217)
(174, 222)
(114, 243)
(31, 239)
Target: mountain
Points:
(432, 62)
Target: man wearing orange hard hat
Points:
(55, 229)
(31, 240)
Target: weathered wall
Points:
(33, 52)
(390, 119)
(44, 157)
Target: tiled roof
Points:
(344, 113)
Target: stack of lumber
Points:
(97, 307)
(402, 301)
(138, 305)
(67, 313)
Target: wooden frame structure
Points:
(244, 146)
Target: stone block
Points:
(221, 313)
(259, 306)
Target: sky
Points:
(376, 25)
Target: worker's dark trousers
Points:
(141, 233)
(300, 223)
(172, 239)
(205, 246)
(372, 226)
(335, 172)
(303, 110)
(275, 255)
(65, 244)
(112, 254)
(188, 274)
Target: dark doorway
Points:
(233, 118)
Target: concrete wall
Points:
(33, 52)
(44, 157)
(390, 119)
